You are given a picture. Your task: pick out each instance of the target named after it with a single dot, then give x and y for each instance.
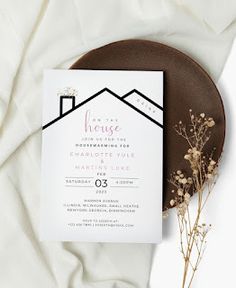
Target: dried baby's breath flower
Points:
(180, 192)
(209, 176)
(172, 202)
(203, 175)
(195, 172)
(190, 180)
(187, 157)
(165, 214)
(212, 163)
(187, 196)
(210, 123)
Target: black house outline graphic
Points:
(122, 99)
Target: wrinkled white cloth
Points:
(37, 35)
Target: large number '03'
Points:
(101, 183)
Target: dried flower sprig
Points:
(202, 177)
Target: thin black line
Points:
(61, 109)
(78, 186)
(143, 96)
(123, 178)
(79, 177)
(124, 186)
(95, 95)
(73, 102)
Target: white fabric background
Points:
(36, 35)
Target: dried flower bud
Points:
(210, 168)
(212, 162)
(180, 192)
(165, 214)
(195, 172)
(210, 123)
(172, 202)
(196, 154)
(190, 180)
(187, 157)
(187, 196)
(182, 207)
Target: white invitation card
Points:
(102, 150)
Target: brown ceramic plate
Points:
(187, 86)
